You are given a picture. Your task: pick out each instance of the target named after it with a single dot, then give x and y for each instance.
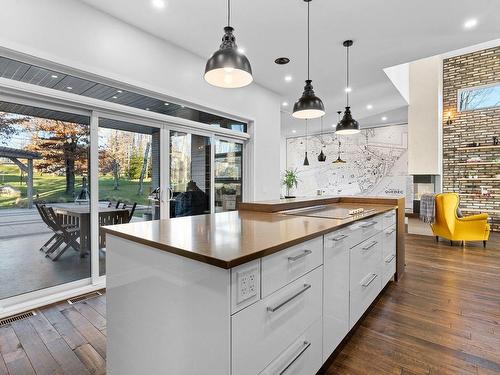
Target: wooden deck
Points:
(443, 317)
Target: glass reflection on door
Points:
(190, 174)
(228, 174)
(129, 176)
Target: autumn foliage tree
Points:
(63, 147)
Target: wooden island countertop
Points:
(229, 239)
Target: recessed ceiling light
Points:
(369, 106)
(166, 103)
(158, 4)
(469, 24)
(282, 60)
(69, 88)
(285, 104)
(119, 91)
(288, 78)
(54, 76)
(384, 118)
(115, 97)
(294, 131)
(348, 89)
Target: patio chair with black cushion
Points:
(68, 235)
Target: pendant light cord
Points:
(229, 12)
(306, 136)
(308, 48)
(347, 78)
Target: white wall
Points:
(424, 111)
(71, 33)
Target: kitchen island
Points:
(270, 289)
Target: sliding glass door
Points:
(190, 174)
(44, 198)
(129, 176)
(228, 174)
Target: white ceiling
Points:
(385, 33)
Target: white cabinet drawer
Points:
(347, 236)
(366, 258)
(389, 218)
(303, 357)
(388, 268)
(260, 332)
(245, 285)
(389, 241)
(335, 290)
(281, 268)
(364, 229)
(362, 295)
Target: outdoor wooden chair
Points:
(131, 211)
(67, 235)
(47, 246)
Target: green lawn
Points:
(51, 188)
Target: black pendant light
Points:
(228, 67)
(309, 105)
(339, 159)
(306, 160)
(321, 156)
(347, 125)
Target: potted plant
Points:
(290, 180)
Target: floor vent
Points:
(15, 318)
(84, 297)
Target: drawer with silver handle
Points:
(389, 218)
(260, 332)
(364, 229)
(302, 357)
(388, 268)
(389, 241)
(362, 295)
(285, 266)
(365, 257)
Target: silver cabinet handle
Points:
(339, 238)
(391, 231)
(306, 345)
(366, 225)
(374, 276)
(301, 255)
(389, 260)
(283, 303)
(367, 247)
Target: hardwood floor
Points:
(443, 317)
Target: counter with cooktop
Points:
(270, 289)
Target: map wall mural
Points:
(376, 163)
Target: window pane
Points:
(189, 174)
(479, 98)
(44, 198)
(129, 176)
(228, 175)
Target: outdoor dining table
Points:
(80, 216)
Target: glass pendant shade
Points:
(347, 125)
(309, 105)
(227, 67)
(306, 160)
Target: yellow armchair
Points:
(448, 225)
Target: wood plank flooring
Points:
(443, 317)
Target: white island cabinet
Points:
(282, 313)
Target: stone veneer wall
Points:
(469, 70)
